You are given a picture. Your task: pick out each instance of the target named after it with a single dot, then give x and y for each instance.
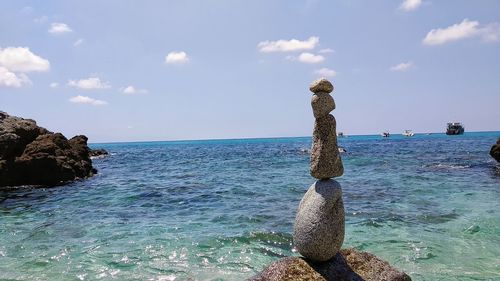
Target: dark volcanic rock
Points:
(347, 265)
(98, 153)
(495, 151)
(31, 155)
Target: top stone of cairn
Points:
(321, 86)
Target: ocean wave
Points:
(446, 166)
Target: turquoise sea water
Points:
(222, 210)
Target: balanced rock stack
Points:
(320, 221)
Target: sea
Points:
(224, 209)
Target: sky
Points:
(174, 70)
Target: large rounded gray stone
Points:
(320, 222)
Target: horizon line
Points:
(258, 138)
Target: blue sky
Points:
(167, 70)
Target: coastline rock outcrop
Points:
(347, 265)
(32, 155)
(495, 151)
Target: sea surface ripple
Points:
(223, 209)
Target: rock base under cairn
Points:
(347, 265)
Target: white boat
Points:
(385, 134)
(408, 133)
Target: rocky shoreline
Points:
(32, 155)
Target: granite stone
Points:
(320, 222)
(325, 157)
(322, 104)
(321, 86)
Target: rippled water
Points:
(222, 210)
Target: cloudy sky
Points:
(167, 70)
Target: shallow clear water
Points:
(222, 210)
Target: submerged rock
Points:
(347, 265)
(320, 222)
(98, 153)
(32, 155)
(495, 151)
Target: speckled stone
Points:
(347, 265)
(322, 104)
(325, 157)
(321, 86)
(288, 269)
(320, 222)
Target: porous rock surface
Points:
(320, 222)
(347, 265)
(325, 158)
(321, 86)
(495, 151)
(32, 155)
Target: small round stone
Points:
(322, 104)
(321, 86)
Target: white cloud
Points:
(176, 58)
(130, 90)
(78, 42)
(465, 29)
(11, 79)
(288, 45)
(326, 72)
(326, 51)
(410, 5)
(59, 28)
(87, 100)
(402, 66)
(21, 59)
(91, 83)
(54, 85)
(310, 58)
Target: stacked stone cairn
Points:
(320, 222)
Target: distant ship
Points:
(385, 134)
(455, 128)
(340, 134)
(408, 133)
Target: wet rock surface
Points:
(495, 151)
(347, 265)
(98, 153)
(32, 155)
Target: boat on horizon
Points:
(455, 128)
(385, 134)
(408, 133)
(340, 135)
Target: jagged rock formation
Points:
(347, 265)
(32, 155)
(495, 151)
